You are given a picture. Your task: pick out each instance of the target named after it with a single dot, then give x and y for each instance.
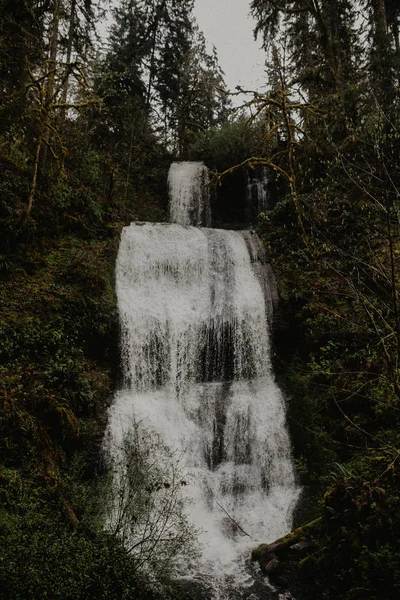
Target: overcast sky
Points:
(227, 25)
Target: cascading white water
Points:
(257, 191)
(194, 307)
(188, 191)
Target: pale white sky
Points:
(227, 25)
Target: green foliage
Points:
(332, 236)
(21, 46)
(145, 506)
(60, 343)
(356, 549)
(230, 144)
(47, 553)
(191, 88)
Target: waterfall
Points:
(188, 190)
(257, 191)
(195, 306)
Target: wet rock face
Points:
(228, 206)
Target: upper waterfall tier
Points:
(189, 197)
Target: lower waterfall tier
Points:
(235, 448)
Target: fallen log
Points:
(289, 548)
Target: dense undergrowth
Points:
(336, 356)
(59, 362)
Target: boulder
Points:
(273, 567)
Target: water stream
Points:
(257, 191)
(195, 307)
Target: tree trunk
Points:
(153, 50)
(52, 65)
(326, 43)
(26, 211)
(71, 32)
(380, 17)
(396, 36)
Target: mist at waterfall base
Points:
(195, 305)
